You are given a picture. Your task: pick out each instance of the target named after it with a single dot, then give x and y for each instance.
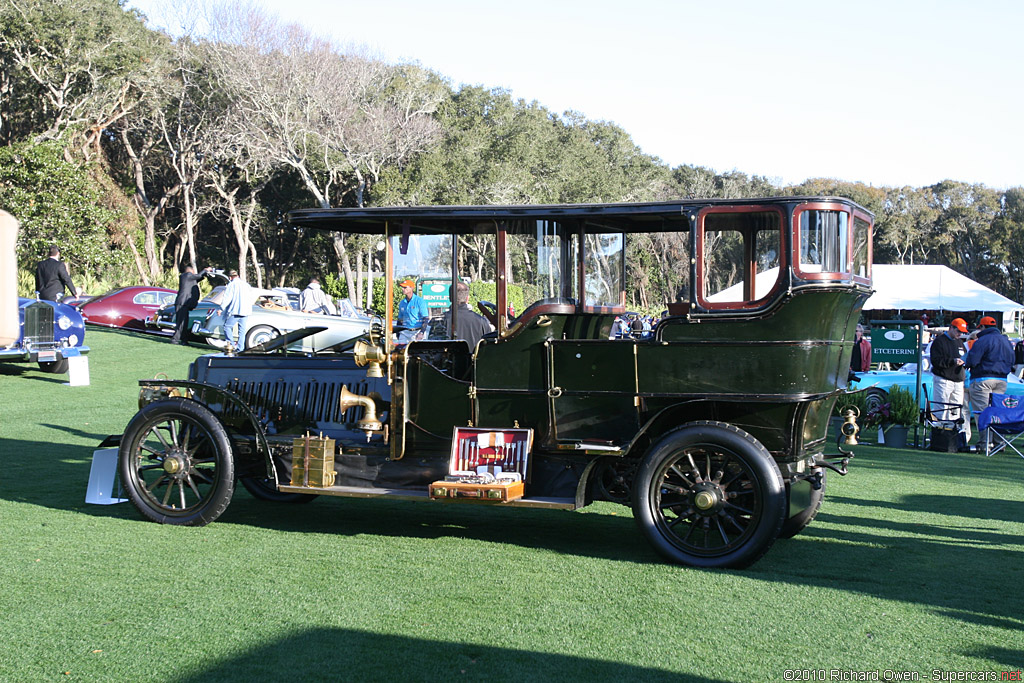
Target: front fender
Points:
(206, 394)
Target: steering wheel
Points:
(376, 331)
(489, 310)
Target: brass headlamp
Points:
(369, 354)
(849, 428)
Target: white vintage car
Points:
(276, 312)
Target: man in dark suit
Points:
(186, 301)
(469, 325)
(52, 277)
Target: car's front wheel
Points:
(176, 463)
(56, 367)
(708, 494)
(259, 335)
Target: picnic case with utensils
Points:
(486, 465)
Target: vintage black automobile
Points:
(713, 428)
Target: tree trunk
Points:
(346, 267)
(359, 279)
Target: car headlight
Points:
(73, 340)
(63, 322)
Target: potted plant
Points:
(896, 416)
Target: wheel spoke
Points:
(144, 447)
(156, 431)
(743, 511)
(167, 494)
(181, 492)
(192, 485)
(736, 524)
(680, 474)
(200, 442)
(684, 516)
(721, 530)
(173, 427)
(199, 474)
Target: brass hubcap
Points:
(174, 464)
(704, 500)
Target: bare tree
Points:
(334, 119)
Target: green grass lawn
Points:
(913, 565)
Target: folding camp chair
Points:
(945, 422)
(1002, 424)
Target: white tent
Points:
(933, 288)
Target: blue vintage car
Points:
(50, 333)
(879, 382)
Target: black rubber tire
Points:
(55, 367)
(874, 399)
(612, 480)
(177, 446)
(708, 494)
(264, 489)
(798, 522)
(260, 334)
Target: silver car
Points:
(276, 312)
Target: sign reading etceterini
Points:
(894, 345)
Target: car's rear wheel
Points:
(709, 495)
(176, 463)
(56, 367)
(264, 489)
(259, 335)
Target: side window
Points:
(861, 242)
(739, 263)
(823, 241)
(145, 298)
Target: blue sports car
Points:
(50, 333)
(878, 383)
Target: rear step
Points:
(421, 494)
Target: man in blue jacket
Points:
(990, 361)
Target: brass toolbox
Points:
(312, 461)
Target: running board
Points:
(418, 494)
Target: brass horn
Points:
(369, 423)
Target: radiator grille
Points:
(293, 402)
(38, 324)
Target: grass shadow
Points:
(347, 654)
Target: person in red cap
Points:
(413, 312)
(949, 374)
(990, 361)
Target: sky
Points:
(888, 93)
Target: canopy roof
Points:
(931, 288)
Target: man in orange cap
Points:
(413, 312)
(948, 374)
(990, 361)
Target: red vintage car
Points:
(127, 307)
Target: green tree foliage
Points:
(57, 203)
(253, 120)
(71, 67)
